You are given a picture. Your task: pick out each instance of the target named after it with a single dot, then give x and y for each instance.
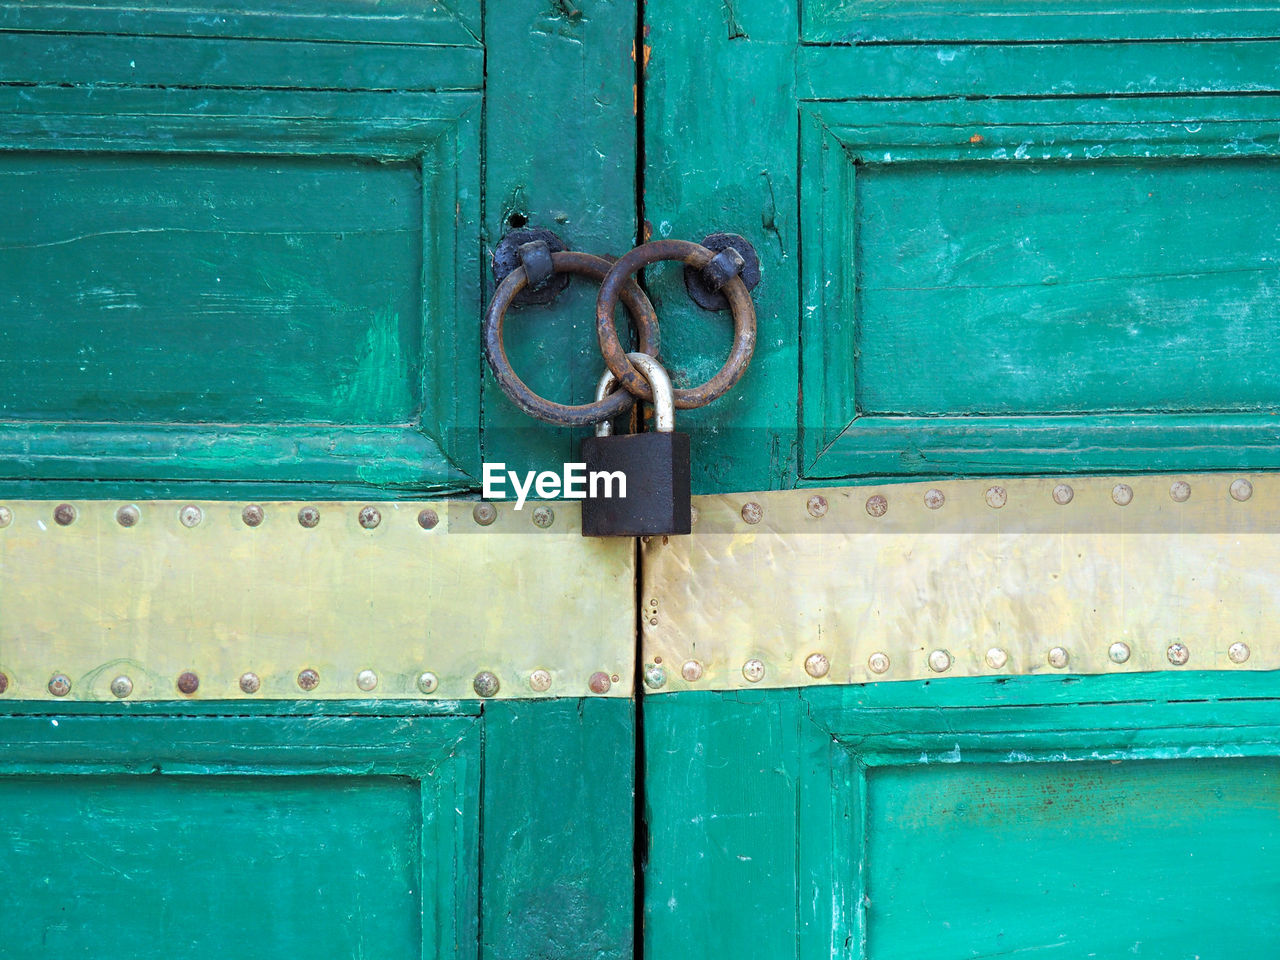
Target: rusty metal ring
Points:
(566, 415)
(615, 357)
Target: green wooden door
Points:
(262, 691)
(985, 675)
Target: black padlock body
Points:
(656, 467)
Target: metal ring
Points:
(615, 358)
(567, 415)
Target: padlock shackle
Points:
(664, 398)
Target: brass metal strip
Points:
(966, 578)
(168, 600)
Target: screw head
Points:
(427, 519)
(691, 670)
(599, 682)
(1180, 491)
(128, 516)
(939, 661)
(308, 679)
(188, 683)
(543, 516)
(485, 683)
(59, 685)
(4, 682)
(540, 680)
(996, 658)
(250, 682)
(1241, 489)
(934, 498)
(366, 680)
(428, 681)
(253, 515)
(752, 512)
(1058, 657)
(817, 665)
(1238, 652)
(370, 517)
(655, 676)
(878, 662)
(190, 516)
(1119, 652)
(1122, 494)
(753, 670)
(64, 514)
(1178, 654)
(996, 497)
(309, 517)
(6, 517)
(877, 506)
(484, 513)
(121, 687)
(1063, 494)
(817, 506)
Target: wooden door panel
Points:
(997, 280)
(963, 270)
(965, 818)
(203, 836)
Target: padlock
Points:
(654, 469)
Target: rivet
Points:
(250, 683)
(4, 682)
(753, 670)
(188, 683)
(370, 517)
(484, 513)
(1178, 654)
(366, 680)
(655, 676)
(615, 678)
(691, 670)
(1180, 491)
(121, 686)
(428, 681)
(934, 498)
(485, 684)
(653, 621)
(817, 665)
(252, 515)
(1238, 652)
(939, 661)
(653, 601)
(190, 516)
(1058, 657)
(64, 514)
(996, 658)
(543, 516)
(59, 685)
(817, 506)
(540, 681)
(878, 662)
(1063, 494)
(877, 506)
(1122, 494)
(996, 497)
(1241, 489)
(6, 517)
(599, 682)
(752, 512)
(309, 517)
(1119, 652)
(427, 519)
(128, 516)
(308, 679)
